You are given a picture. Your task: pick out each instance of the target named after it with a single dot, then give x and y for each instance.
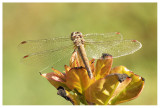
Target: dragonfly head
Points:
(76, 35)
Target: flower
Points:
(107, 87)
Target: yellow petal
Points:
(120, 69)
(103, 66)
(104, 90)
(132, 90)
(77, 78)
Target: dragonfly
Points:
(49, 52)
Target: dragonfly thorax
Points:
(77, 38)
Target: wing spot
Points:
(23, 42)
(117, 33)
(26, 56)
(134, 40)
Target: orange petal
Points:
(103, 66)
(77, 78)
(74, 60)
(55, 80)
(59, 74)
(103, 90)
(67, 68)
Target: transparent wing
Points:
(97, 37)
(32, 46)
(115, 48)
(49, 58)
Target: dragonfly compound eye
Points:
(80, 34)
(75, 35)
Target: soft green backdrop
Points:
(22, 85)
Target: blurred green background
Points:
(22, 85)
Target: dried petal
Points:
(73, 98)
